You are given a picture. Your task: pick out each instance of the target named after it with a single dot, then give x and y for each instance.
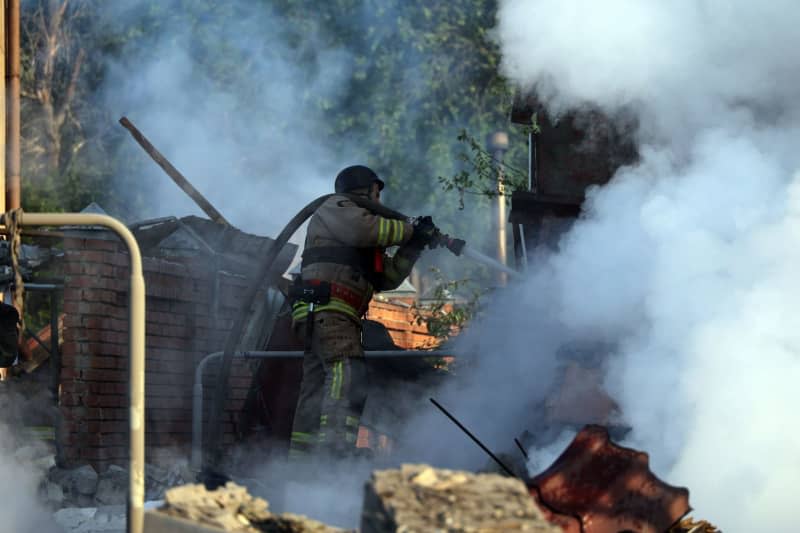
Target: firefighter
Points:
(344, 261)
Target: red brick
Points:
(168, 403)
(105, 400)
(77, 387)
(71, 321)
(116, 426)
(68, 399)
(72, 294)
(157, 413)
(106, 413)
(75, 361)
(108, 388)
(116, 349)
(68, 373)
(101, 244)
(97, 374)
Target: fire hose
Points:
(457, 246)
(214, 452)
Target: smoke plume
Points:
(247, 144)
(685, 260)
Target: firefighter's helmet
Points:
(356, 177)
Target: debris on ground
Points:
(108, 519)
(598, 486)
(231, 508)
(690, 525)
(420, 498)
(85, 488)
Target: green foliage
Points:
(483, 169)
(421, 73)
(448, 310)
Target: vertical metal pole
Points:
(12, 125)
(498, 144)
(3, 59)
(136, 372)
(13, 119)
(502, 219)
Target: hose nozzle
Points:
(451, 243)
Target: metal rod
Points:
(474, 438)
(39, 341)
(136, 340)
(173, 173)
(3, 107)
(519, 445)
(43, 286)
(196, 460)
(13, 106)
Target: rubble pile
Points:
(419, 498)
(84, 487)
(231, 508)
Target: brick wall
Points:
(399, 319)
(189, 310)
(188, 314)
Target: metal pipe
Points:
(498, 145)
(502, 221)
(3, 123)
(12, 95)
(136, 339)
(196, 460)
(43, 287)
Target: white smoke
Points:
(687, 259)
(253, 156)
(22, 509)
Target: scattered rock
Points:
(112, 487)
(158, 479)
(419, 498)
(110, 519)
(72, 518)
(232, 508)
(53, 494)
(84, 479)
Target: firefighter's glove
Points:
(425, 233)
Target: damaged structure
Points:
(196, 275)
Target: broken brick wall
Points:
(189, 310)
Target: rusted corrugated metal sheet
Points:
(596, 486)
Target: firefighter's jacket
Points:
(339, 225)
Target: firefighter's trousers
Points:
(333, 391)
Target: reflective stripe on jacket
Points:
(341, 222)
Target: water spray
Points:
(491, 262)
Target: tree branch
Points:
(71, 88)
